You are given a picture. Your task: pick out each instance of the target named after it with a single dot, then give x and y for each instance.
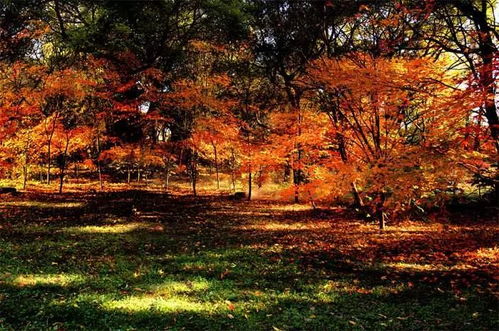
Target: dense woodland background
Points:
(226, 164)
(388, 105)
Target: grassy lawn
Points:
(142, 260)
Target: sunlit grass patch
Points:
(62, 279)
(114, 220)
(117, 228)
(276, 226)
(332, 289)
(426, 267)
(137, 303)
(170, 287)
(290, 207)
(43, 204)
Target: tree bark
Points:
(382, 220)
(356, 196)
(233, 170)
(167, 179)
(63, 163)
(193, 173)
(26, 162)
(49, 145)
(250, 180)
(216, 165)
(99, 167)
(379, 212)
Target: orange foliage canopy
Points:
(393, 126)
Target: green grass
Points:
(180, 263)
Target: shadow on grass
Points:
(141, 260)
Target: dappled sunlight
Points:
(487, 255)
(425, 267)
(118, 228)
(406, 228)
(176, 287)
(295, 226)
(62, 279)
(114, 220)
(43, 204)
(143, 303)
(332, 289)
(289, 207)
(246, 213)
(491, 253)
(237, 265)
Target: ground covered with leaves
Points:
(145, 260)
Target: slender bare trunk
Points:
(49, 146)
(382, 220)
(194, 183)
(25, 176)
(167, 178)
(99, 167)
(249, 185)
(216, 165)
(379, 210)
(63, 163)
(297, 173)
(193, 172)
(49, 157)
(233, 170)
(356, 196)
(26, 162)
(250, 182)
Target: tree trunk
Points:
(295, 97)
(167, 178)
(48, 159)
(216, 165)
(193, 173)
(49, 145)
(26, 163)
(63, 163)
(249, 184)
(233, 171)
(381, 220)
(379, 211)
(25, 175)
(356, 196)
(99, 168)
(194, 183)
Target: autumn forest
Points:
(238, 164)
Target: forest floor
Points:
(145, 260)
